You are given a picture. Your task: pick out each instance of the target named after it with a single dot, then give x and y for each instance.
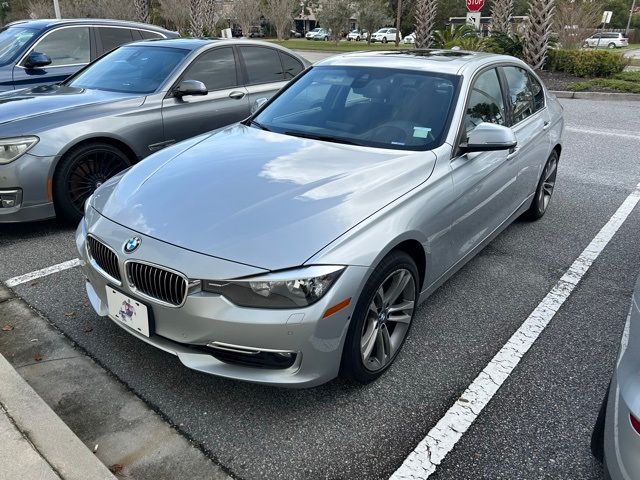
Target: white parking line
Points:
(432, 450)
(28, 277)
(604, 132)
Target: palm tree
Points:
(425, 19)
(501, 12)
(142, 10)
(538, 32)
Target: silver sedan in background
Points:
(616, 436)
(299, 243)
(58, 143)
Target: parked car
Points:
(357, 35)
(256, 32)
(295, 34)
(410, 39)
(37, 52)
(299, 243)
(385, 35)
(311, 34)
(616, 435)
(606, 40)
(322, 34)
(62, 141)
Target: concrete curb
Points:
(596, 95)
(57, 444)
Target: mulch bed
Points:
(561, 81)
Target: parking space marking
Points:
(431, 451)
(603, 132)
(28, 277)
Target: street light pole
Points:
(633, 7)
(56, 8)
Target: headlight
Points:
(287, 289)
(12, 148)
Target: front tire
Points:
(545, 188)
(80, 172)
(382, 318)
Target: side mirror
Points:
(190, 87)
(37, 60)
(257, 104)
(488, 137)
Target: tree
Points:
(196, 20)
(177, 14)
(142, 10)
(575, 20)
(373, 14)
(246, 14)
(280, 14)
(425, 16)
(538, 32)
(334, 16)
(501, 12)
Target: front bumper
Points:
(622, 442)
(25, 181)
(206, 318)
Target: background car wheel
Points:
(597, 436)
(612, 45)
(384, 40)
(382, 318)
(545, 188)
(80, 172)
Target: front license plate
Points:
(129, 311)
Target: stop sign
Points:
(475, 5)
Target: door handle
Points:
(546, 125)
(236, 95)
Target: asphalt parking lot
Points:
(536, 426)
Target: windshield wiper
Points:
(324, 138)
(259, 125)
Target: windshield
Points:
(131, 69)
(316, 29)
(368, 106)
(13, 41)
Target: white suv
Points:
(606, 40)
(385, 35)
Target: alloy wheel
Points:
(388, 320)
(549, 182)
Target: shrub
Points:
(579, 86)
(505, 44)
(585, 63)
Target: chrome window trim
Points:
(97, 267)
(153, 299)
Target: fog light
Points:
(635, 423)
(9, 198)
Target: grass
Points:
(621, 82)
(342, 46)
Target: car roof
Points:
(429, 60)
(44, 24)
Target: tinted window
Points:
(378, 107)
(66, 46)
(130, 69)
(292, 66)
(520, 93)
(216, 69)
(13, 41)
(538, 93)
(485, 102)
(114, 37)
(149, 35)
(262, 64)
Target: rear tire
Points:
(597, 436)
(612, 46)
(384, 40)
(544, 191)
(382, 318)
(80, 172)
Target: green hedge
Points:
(585, 63)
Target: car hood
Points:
(48, 99)
(256, 197)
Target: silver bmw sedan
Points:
(297, 244)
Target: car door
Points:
(484, 182)
(226, 101)
(68, 47)
(530, 123)
(266, 70)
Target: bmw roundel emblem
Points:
(132, 245)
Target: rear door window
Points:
(215, 68)
(66, 46)
(262, 65)
(112, 37)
